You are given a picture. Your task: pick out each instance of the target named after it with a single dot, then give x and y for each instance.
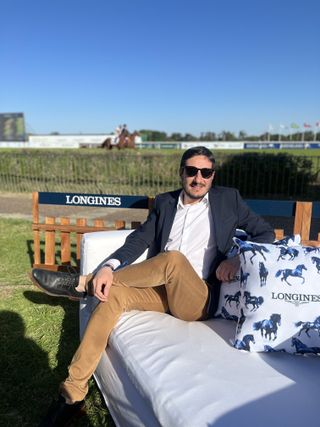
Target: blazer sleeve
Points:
(256, 227)
(138, 241)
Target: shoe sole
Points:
(79, 414)
(49, 293)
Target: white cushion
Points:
(190, 374)
(99, 245)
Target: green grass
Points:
(39, 335)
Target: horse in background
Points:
(125, 140)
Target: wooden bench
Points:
(302, 212)
(61, 232)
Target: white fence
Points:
(58, 141)
(91, 141)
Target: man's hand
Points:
(228, 269)
(102, 283)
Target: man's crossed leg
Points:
(166, 282)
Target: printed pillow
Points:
(230, 292)
(280, 301)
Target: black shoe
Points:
(57, 284)
(61, 414)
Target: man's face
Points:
(195, 187)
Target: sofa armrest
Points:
(95, 247)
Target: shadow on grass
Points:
(24, 368)
(28, 383)
(98, 414)
(69, 337)
(73, 258)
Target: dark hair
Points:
(196, 151)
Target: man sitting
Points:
(188, 235)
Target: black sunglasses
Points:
(192, 171)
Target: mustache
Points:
(197, 184)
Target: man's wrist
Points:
(109, 266)
(112, 263)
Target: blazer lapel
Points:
(170, 212)
(217, 215)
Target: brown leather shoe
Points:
(57, 284)
(61, 414)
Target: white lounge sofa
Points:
(161, 371)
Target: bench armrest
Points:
(95, 247)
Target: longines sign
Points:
(93, 200)
(78, 199)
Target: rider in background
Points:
(120, 131)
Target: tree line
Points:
(154, 135)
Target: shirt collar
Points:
(180, 205)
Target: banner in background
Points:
(221, 145)
(264, 145)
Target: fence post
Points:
(302, 220)
(50, 242)
(36, 233)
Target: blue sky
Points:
(177, 66)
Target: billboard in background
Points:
(222, 145)
(12, 127)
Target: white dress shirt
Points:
(192, 234)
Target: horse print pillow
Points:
(230, 292)
(280, 300)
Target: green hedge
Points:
(257, 175)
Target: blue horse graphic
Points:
(306, 326)
(269, 349)
(310, 249)
(251, 299)
(263, 274)
(244, 344)
(286, 240)
(296, 272)
(241, 321)
(227, 315)
(302, 348)
(268, 326)
(235, 298)
(243, 278)
(315, 260)
(284, 251)
(251, 247)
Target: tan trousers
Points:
(164, 282)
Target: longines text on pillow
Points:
(295, 298)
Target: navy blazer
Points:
(229, 212)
